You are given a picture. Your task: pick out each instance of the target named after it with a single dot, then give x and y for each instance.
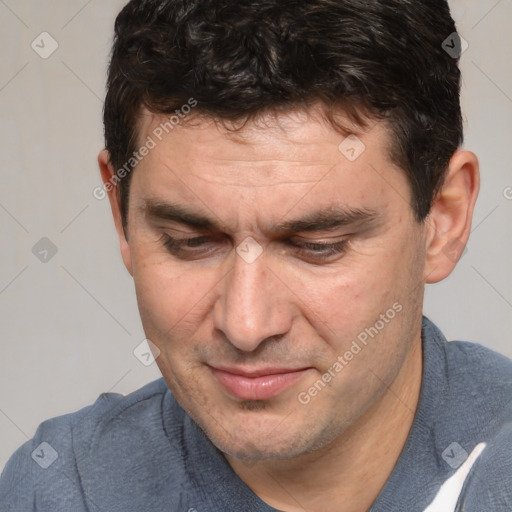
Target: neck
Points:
(349, 473)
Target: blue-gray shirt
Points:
(143, 453)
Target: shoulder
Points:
(62, 450)
(462, 355)
(479, 373)
(473, 408)
(474, 375)
(82, 429)
(479, 357)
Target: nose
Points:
(251, 306)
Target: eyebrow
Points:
(325, 219)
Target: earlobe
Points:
(110, 187)
(448, 224)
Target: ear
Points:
(110, 185)
(448, 224)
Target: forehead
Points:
(294, 160)
(295, 136)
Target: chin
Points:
(250, 442)
(247, 452)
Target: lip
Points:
(261, 384)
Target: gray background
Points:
(70, 324)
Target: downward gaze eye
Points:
(321, 251)
(197, 247)
(175, 245)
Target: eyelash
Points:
(317, 250)
(321, 250)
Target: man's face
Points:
(251, 312)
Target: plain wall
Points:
(69, 325)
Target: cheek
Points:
(169, 297)
(345, 300)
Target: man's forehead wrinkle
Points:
(275, 161)
(249, 173)
(261, 177)
(254, 185)
(191, 190)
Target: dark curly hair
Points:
(375, 59)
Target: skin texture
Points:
(208, 307)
